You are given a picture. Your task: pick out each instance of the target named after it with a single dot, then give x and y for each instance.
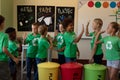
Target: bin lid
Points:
(48, 65)
(72, 65)
(95, 66)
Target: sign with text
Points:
(62, 13)
(25, 17)
(46, 15)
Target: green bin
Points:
(94, 72)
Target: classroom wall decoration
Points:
(107, 10)
(62, 13)
(25, 17)
(46, 15)
(100, 4)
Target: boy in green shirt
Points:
(70, 40)
(98, 53)
(32, 40)
(14, 50)
(60, 44)
(44, 43)
(112, 46)
(4, 53)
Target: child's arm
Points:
(50, 39)
(80, 35)
(78, 52)
(61, 50)
(95, 44)
(10, 55)
(20, 45)
(55, 33)
(87, 30)
(24, 37)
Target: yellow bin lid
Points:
(48, 65)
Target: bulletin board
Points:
(107, 10)
(46, 15)
(62, 13)
(25, 17)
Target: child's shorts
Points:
(98, 58)
(114, 64)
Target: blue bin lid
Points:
(95, 67)
(72, 65)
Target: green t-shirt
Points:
(3, 43)
(71, 47)
(60, 42)
(99, 46)
(13, 48)
(43, 46)
(32, 41)
(112, 46)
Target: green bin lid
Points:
(95, 67)
(48, 65)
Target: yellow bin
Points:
(48, 71)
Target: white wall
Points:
(6, 9)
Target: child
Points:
(60, 44)
(98, 54)
(43, 44)
(112, 46)
(31, 40)
(13, 49)
(70, 40)
(4, 53)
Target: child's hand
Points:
(49, 37)
(24, 36)
(51, 47)
(16, 60)
(59, 50)
(91, 60)
(82, 28)
(19, 40)
(56, 33)
(101, 32)
(78, 54)
(88, 22)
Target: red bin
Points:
(71, 71)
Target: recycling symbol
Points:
(61, 40)
(109, 45)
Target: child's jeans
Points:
(4, 71)
(61, 59)
(67, 60)
(13, 67)
(40, 61)
(31, 62)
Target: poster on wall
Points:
(46, 15)
(25, 17)
(62, 13)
